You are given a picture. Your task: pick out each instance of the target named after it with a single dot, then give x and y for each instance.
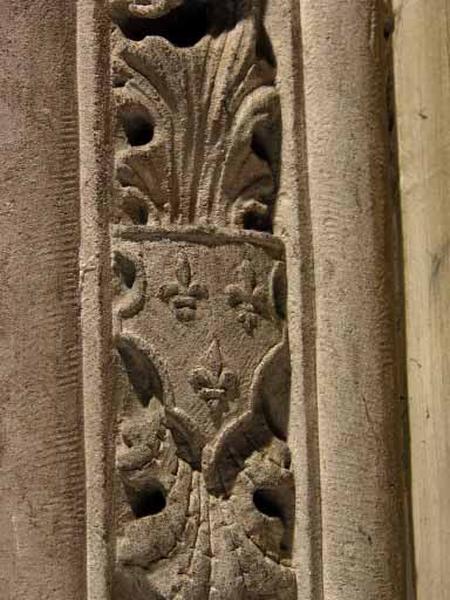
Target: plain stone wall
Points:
(42, 481)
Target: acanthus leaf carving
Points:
(204, 495)
(208, 164)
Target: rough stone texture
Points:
(96, 157)
(204, 497)
(422, 82)
(42, 480)
(358, 404)
(249, 143)
(293, 223)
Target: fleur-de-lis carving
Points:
(247, 297)
(183, 294)
(212, 382)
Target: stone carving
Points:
(213, 383)
(130, 284)
(146, 8)
(196, 141)
(184, 293)
(247, 297)
(204, 492)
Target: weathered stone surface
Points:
(243, 440)
(205, 498)
(96, 158)
(359, 408)
(42, 478)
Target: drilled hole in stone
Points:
(138, 129)
(257, 222)
(146, 502)
(267, 502)
(183, 26)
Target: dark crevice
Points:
(138, 128)
(187, 24)
(280, 292)
(125, 269)
(118, 82)
(266, 141)
(259, 146)
(264, 49)
(142, 372)
(141, 215)
(267, 502)
(265, 144)
(256, 222)
(183, 27)
(277, 503)
(389, 25)
(151, 500)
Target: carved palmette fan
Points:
(204, 494)
(198, 127)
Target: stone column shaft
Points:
(357, 398)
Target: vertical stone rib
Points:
(358, 404)
(95, 177)
(42, 479)
(293, 223)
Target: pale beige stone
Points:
(215, 385)
(421, 43)
(204, 496)
(93, 58)
(358, 415)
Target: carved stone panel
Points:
(205, 496)
(204, 493)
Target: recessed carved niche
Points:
(204, 494)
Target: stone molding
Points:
(214, 397)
